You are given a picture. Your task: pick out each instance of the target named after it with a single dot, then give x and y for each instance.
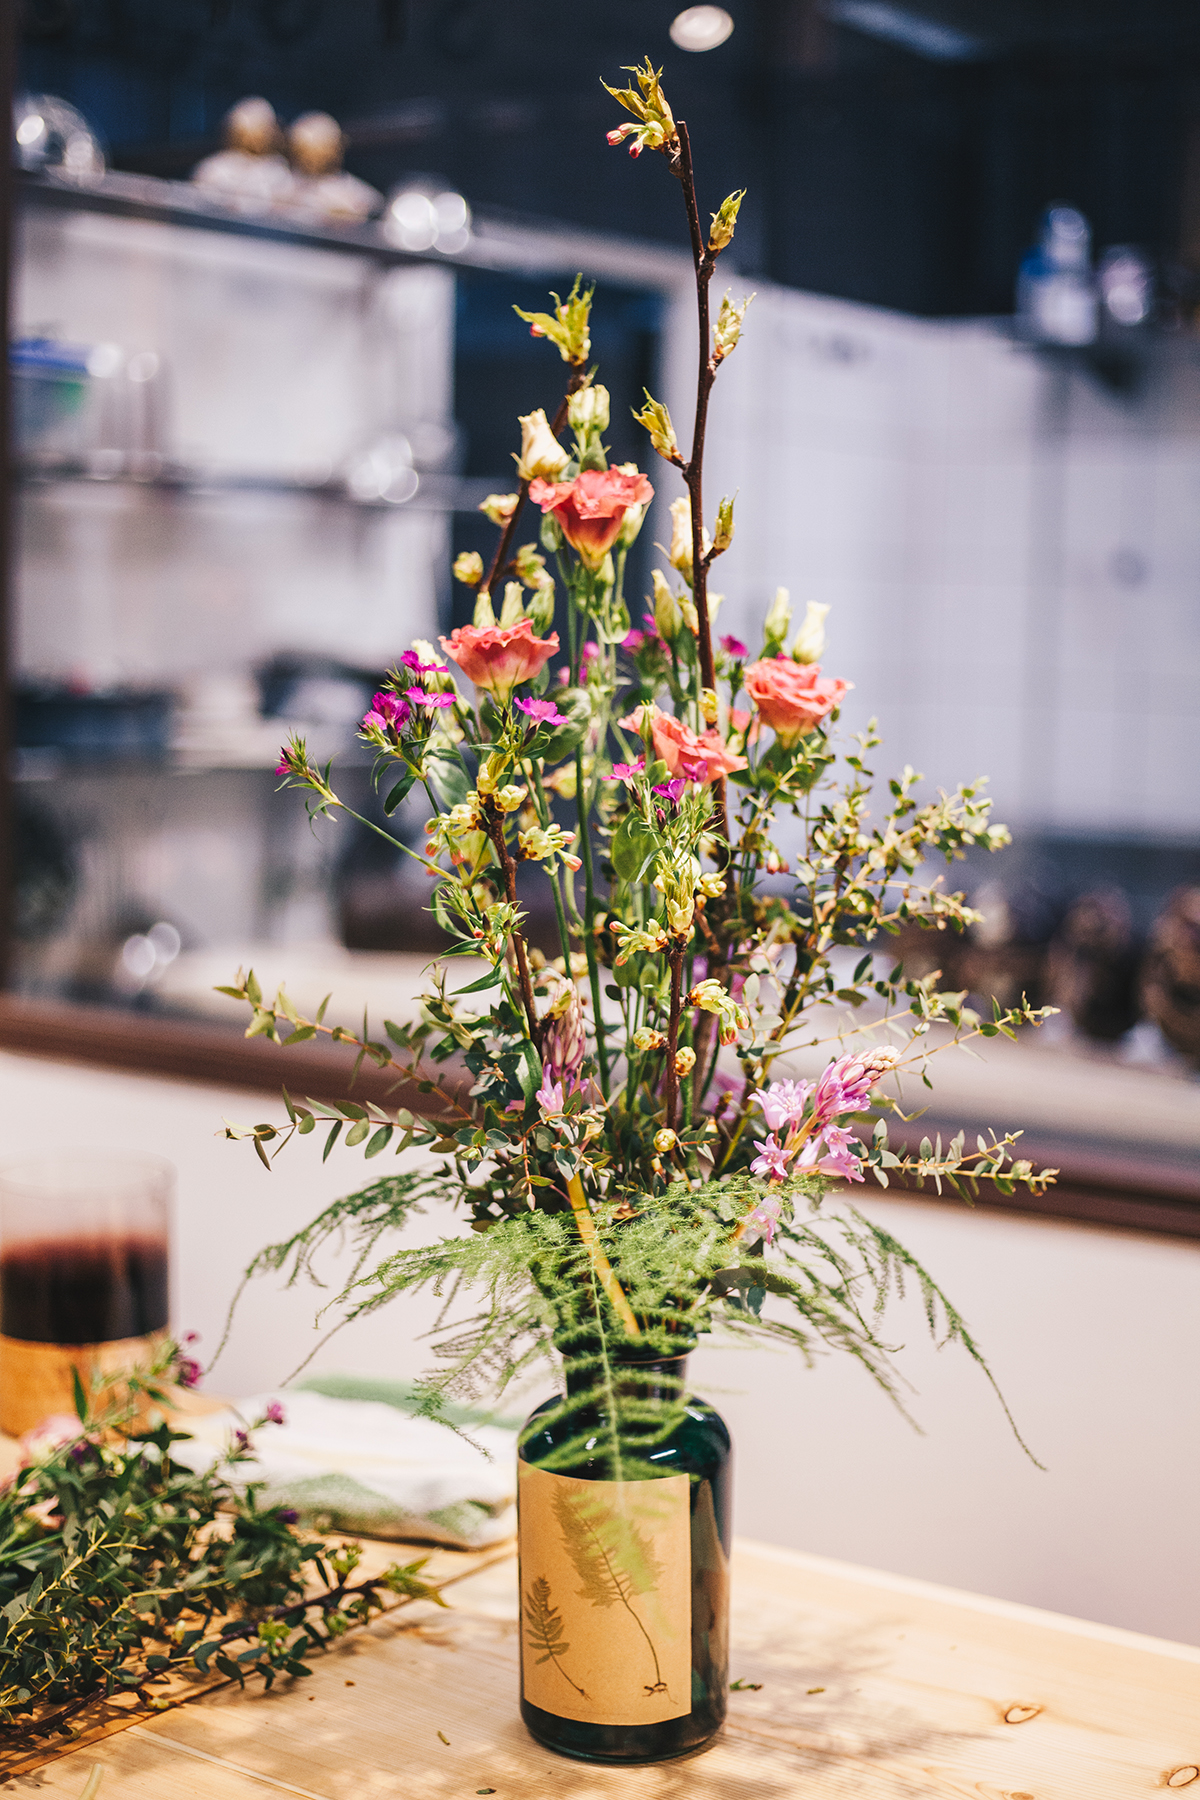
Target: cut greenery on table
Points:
(121, 1569)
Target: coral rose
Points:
(698, 758)
(792, 697)
(591, 508)
(499, 659)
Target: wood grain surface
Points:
(874, 1687)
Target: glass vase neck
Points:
(635, 1377)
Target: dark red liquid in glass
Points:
(83, 1290)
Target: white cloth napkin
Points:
(359, 1465)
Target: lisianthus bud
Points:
(468, 568)
(513, 609)
(587, 410)
(777, 623)
(541, 452)
(723, 222)
(685, 1061)
(631, 524)
(499, 508)
(540, 611)
(709, 706)
(723, 534)
(680, 553)
(810, 639)
(729, 327)
(668, 621)
(655, 419)
(484, 614)
(665, 1140)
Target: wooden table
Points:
(874, 1687)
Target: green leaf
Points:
(301, 1034)
(331, 1140)
(380, 1141)
(357, 1133)
(399, 792)
(448, 779)
(81, 1405)
(491, 979)
(321, 1009)
(253, 991)
(633, 843)
(234, 993)
(307, 1122)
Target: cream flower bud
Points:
(513, 610)
(491, 770)
(541, 453)
(810, 639)
(468, 568)
(499, 508)
(645, 1039)
(587, 411)
(709, 706)
(510, 798)
(685, 1061)
(777, 623)
(668, 621)
(680, 553)
(530, 566)
(484, 614)
(665, 1140)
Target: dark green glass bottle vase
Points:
(625, 1583)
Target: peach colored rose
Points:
(500, 659)
(591, 508)
(698, 758)
(792, 697)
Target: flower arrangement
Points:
(638, 1159)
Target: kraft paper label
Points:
(606, 1601)
(37, 1380)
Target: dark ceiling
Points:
(894, 153)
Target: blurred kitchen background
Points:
(263, 369)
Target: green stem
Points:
(583, 810)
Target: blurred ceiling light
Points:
(701, 27)
(419, 217)
(383, 472)
(912, 31)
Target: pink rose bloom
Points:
(792, 697)
(698, 758)
(500, 659)
(590, 509)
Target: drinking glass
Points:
(84, 1265)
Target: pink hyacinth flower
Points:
(782, 1103)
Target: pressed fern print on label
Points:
(605, 1597)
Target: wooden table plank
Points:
(874, 1688)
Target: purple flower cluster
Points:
(734, 647)
(541, 712)
(395, 711)
(637, 640)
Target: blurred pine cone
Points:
(1171, 972)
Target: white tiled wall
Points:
(1011, 551)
